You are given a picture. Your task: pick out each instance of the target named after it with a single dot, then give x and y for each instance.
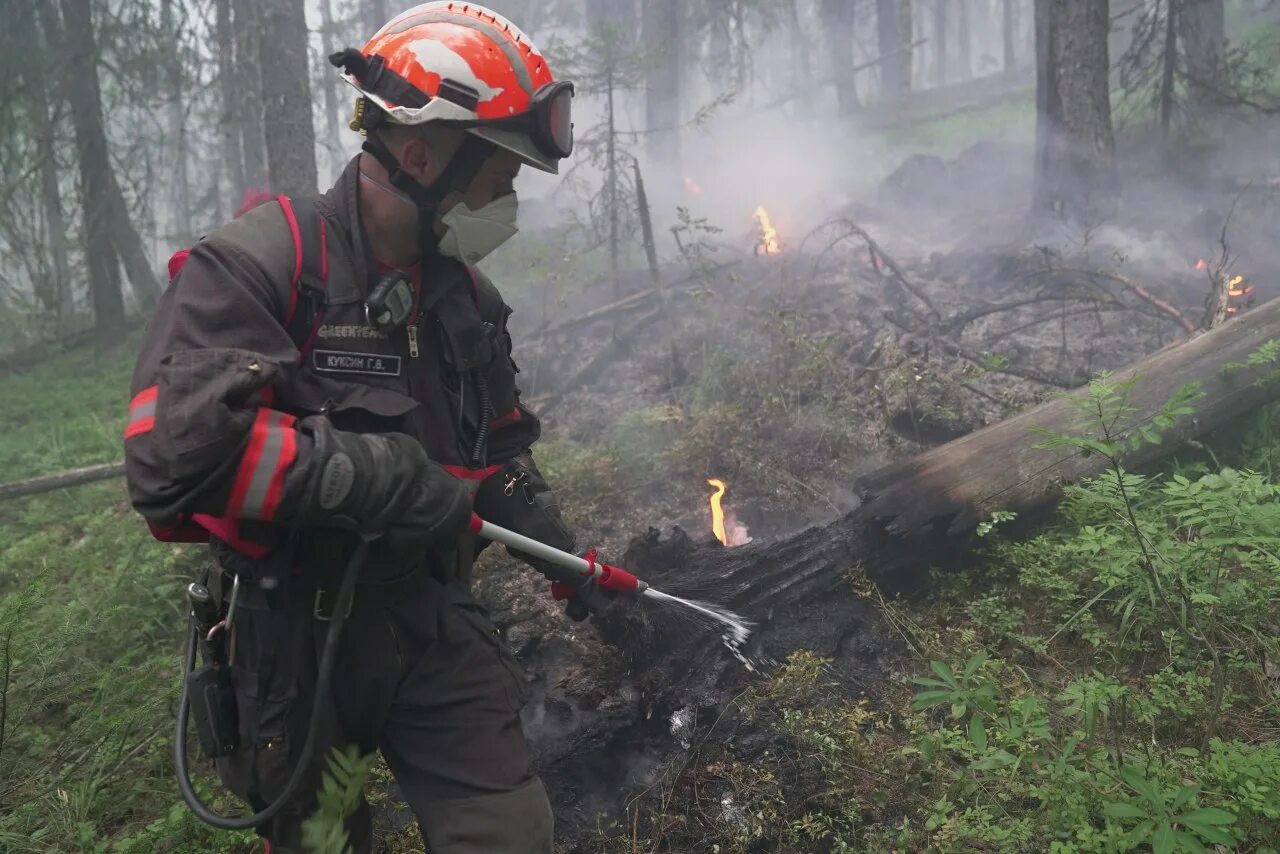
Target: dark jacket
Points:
(220, 390)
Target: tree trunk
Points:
(1075, 147)
(1203, 28)
(80, 88)
(889, 41)
(131, 251)
(837, 17)
(661, 24)
(55, 293)
(1008, 29)
(249, 117)
(939, 36)
(907, 37)
(964, 39)
(286, 97)
(802, 80)
(228, 126)
(1170, 65)
(176, 116)
(329, 42)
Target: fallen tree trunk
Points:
(953, 486)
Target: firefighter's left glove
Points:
(380, 483)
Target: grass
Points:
(90, 630)
(1012, 120)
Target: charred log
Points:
(799, 590)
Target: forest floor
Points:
(1074, 712)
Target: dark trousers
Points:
(422, 676)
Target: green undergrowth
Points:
(1011, 119)
(1110, 684)
(90, 631)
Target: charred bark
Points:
(1075, 146)
(286, 97)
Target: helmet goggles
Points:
(548, 122)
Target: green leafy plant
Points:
(1168, 820)
(325, 832)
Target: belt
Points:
(367, 593)
(254, 597)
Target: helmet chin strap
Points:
(457, 176)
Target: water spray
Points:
(609, 577)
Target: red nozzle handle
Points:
(613, 578)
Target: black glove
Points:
(582, 598)
(379, 483)
(519, 499)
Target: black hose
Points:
(482, 432)
(346, 590)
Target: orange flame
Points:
(1202, 265)
(717, 511)
(728, 530)
(768, 234)
(692, 186)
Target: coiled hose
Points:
(346, 591)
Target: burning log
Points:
(915, 514)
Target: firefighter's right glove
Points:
(582, 599)
(380, 483)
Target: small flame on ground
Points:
(717, 511)
(692, 186)
(728, 530)
(1202, 265)
(769, 244)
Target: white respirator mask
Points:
(471, 235)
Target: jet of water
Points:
(736, 630)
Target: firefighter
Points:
(327, 367)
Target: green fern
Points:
(342, 785)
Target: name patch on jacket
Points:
(343, 362)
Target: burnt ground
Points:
(789, 375)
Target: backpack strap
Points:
(307, 297)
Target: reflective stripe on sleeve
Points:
(142, 413)
(259, 482)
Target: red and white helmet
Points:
(465, 66)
